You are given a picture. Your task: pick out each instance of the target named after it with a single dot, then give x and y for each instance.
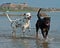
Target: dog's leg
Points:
(29, 28)
(37, 28)
(44, 33)
(28, 25)
(14, 32)
(23, 30)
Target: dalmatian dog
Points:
(23, 23)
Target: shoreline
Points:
(20, 14)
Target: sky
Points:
(36, 3)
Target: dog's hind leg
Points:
(23, 30)
(37, 28)
(14, 32)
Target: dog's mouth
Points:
(29, 17)
(47, 23)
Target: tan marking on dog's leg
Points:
(44, 29)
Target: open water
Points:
(29, 41)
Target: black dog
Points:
(44, 24)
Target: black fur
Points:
(43, 24)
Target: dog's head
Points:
(47, 21)
(28, 15)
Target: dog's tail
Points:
(8, 17)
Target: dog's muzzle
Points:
(47, 23)
(28, 17)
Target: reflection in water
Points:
(37, 43)
(45, 44)
(25, 43)
(41, 44)
(21, 43)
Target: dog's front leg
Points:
(29, 28)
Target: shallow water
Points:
(29, 41)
